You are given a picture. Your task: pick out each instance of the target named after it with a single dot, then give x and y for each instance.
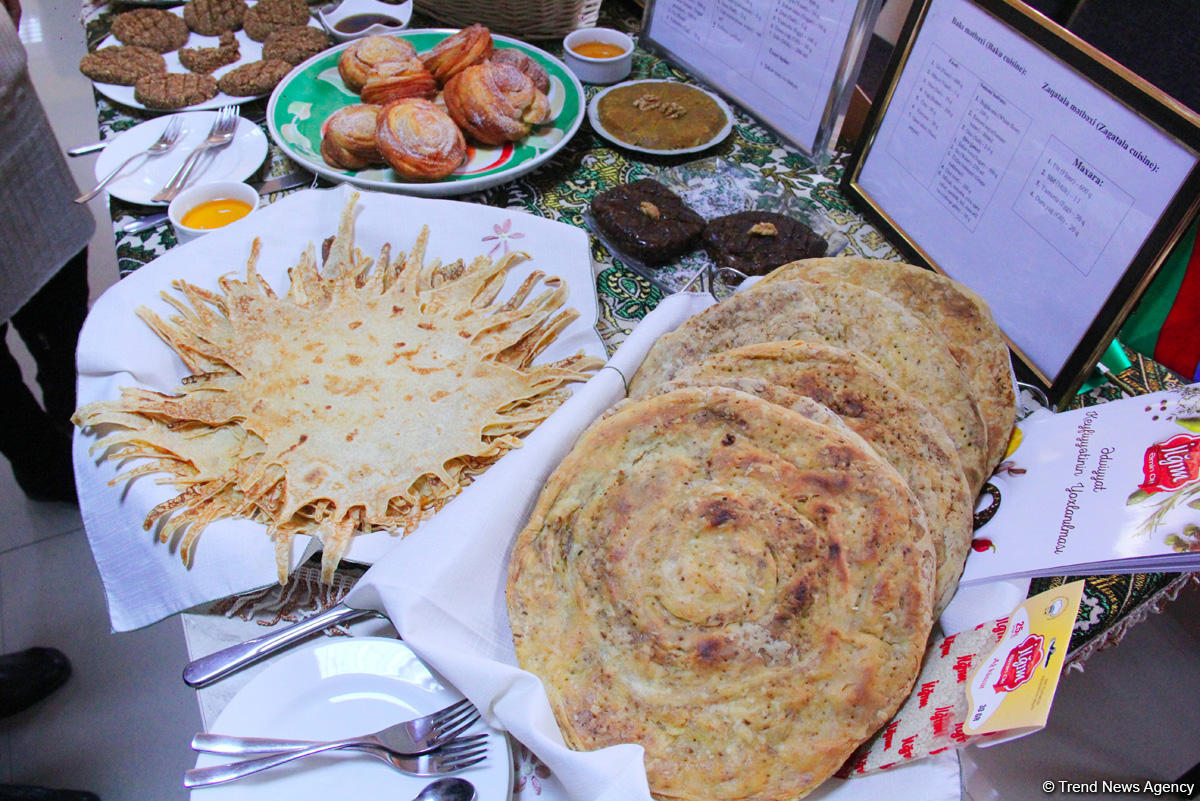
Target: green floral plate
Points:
(312, 91)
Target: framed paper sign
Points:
(790, 63)
(1011, 156)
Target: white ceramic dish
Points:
(193, 196)
(346, 12)
(143, 178)
(593, 114)
(590, 69)
(248, 50)
(343, 687)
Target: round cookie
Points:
(295, 45)
(899, 428)
(738, 589)
(205, 60)
(122, 64)
(846, 316)
(267, 16)
(174, 90)
(214, 17)
(154, 28)
(253, 79)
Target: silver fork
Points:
(219, 135)
(453, 755)
(410, 737)
(166, 140)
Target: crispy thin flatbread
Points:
(362, 399)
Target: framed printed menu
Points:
(790, 63)
(1011, 156)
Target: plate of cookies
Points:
(203, 54)
(430, 112)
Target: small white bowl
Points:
(590, 69)
(189, 199)
(345, 22)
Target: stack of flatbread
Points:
(738, 567)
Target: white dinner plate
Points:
(593, 114)
(341, 688)
(248, 50)
(144, 177)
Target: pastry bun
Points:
(396, 80)
(522, 61)
(419, 140)
(348, 142)
(495, 103)
(365, 55)
(455, 53)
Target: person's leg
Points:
(49, 325)
(37, 448)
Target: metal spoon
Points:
(453, 789)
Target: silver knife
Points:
(82, 149)
(208, 669)
(289, 181)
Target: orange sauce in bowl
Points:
(598, 50)
(215, 213)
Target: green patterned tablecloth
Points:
(562, 189)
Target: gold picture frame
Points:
(1008, 154)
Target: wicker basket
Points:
(527, 19)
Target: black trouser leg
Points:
(37, 441)
(49, 325)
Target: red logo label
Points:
(962, 666)
(940, 718)
(946, 643)
(906, 747)
(1171, 464)
(926, 691)
(1020, 664)
(889, 733)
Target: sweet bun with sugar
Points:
(396, 80)
(363, 56)
(349, 139)
(495, 103)
(455, 53)
(419, 140)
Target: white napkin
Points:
(144, 580)
(444, 590)
(444, 586)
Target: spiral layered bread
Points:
(396, 80)
(419, 140)
(744, 592)
(846, 316)
(349, 141)
(365, 55)
(954, 311)
(455, 53)
(495, 103)
(899, 428)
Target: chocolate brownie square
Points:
(647, 221)
(756, 242)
